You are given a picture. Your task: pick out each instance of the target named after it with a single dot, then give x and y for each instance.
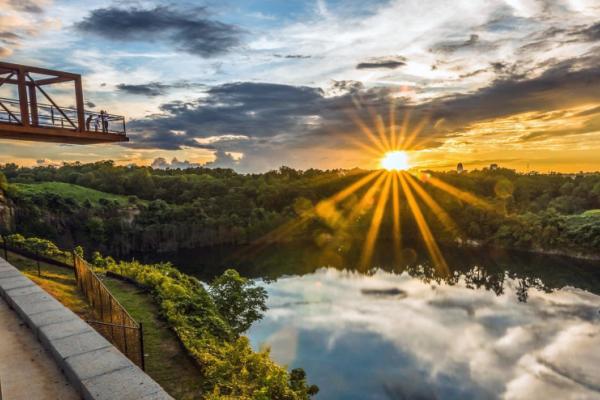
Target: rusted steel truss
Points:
(25, 118)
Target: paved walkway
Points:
(26, 370)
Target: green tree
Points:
(238, 300)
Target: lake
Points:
(499, 325)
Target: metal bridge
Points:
(24, 118)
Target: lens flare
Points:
(395, 161)
(391, 192)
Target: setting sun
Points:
(395, 161)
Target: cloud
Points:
(153, 89)
(496, 67)
(275, 121)
(296, 56)
(383, 62)
(244, 108)
(29, 6)
(345, 86)
(147, 89)
(20, 20)
(8, 35)
(473, 43)
(223, 159)
(592, 32)
(566, 84)
(284, 120)
(162, 163)
(190, 31)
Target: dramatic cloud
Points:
(566, 84)
(290, 91)
(382, 62)
(190, 31)
(260, 117)
(245, 108)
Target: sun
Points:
(395, 161)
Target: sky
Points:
(254, 85)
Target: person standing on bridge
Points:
(88, 121)
(104, 121)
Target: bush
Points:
(36, 245)
(210, 332)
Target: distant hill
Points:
(69, 190)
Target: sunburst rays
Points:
(383, 195)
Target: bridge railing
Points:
(49, 116)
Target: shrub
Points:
(210, 332)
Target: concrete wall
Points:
(92, 365)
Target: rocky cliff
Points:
(7, 213)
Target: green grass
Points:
(57, 281)
(166, 360)
(68, 190)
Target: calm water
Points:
(503, 325)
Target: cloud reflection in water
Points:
(435, 342)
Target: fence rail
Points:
(113, 320)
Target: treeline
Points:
(168, 210)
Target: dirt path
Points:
(26, 369)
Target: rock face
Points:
(7, 213)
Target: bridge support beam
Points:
(22, 89)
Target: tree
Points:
(238, 300)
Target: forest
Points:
(124, 210)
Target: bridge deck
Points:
(58, 135)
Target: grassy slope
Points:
(166, 360)
(59, 282)
(68, 190)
